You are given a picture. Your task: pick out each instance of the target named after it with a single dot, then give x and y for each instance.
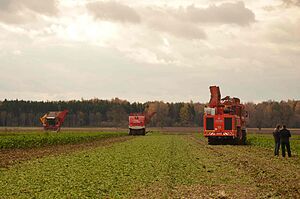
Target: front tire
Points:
(211, 141)
(244, 137)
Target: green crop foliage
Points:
(144, 166)
(157, 166)
(32, 140)
(267, 141)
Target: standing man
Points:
(276, 135)
(285, 135)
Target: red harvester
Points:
(224, 119)
(138, 122)
(53, 120)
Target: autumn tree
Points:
(97, 112)
(187, 114)
(161, 109)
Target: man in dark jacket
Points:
(285, 135)
(276, 135)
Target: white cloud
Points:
(292, 2)
(172, 25)
(228, 13)
(111, 10)
(164, 50)
(18, 12)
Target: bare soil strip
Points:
(63, 129)
(272, 176)
(12, 156)
(187, 130)
(182, 130)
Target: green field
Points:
(267, 141)
(158, 166)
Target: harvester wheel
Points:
(137, 132)
(239, 139)
(211, 141)
(244, 137)
(236, 141)
(133, 132)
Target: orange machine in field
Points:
(224, 119)
(138, 122)
(53, 120)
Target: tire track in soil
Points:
(171, 178)
(9, 157)
(273, 176)
(170, 187)
(207, 188)
(158, 190)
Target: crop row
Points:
(40, 140)
(137, 168)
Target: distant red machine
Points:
(224, 119)
(138, 122)
(54, 120)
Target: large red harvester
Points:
(53, 120)
(138, 122)
(224, 119)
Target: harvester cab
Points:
(224, 119)
(138, 122)
(53, 120)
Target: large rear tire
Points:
(212, 141)
(137, 132)
(244, 137)
(236, 141)
(223, 141)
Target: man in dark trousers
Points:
(285, 135)
(276, 135)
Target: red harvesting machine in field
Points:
(224, 119)
(53, 120)
(138, 122)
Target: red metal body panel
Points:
(215, 96)
(218, 111)
(219, 129)
(55, 121)
(137, 121)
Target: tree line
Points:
(114, 113)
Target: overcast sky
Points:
(150, 50)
